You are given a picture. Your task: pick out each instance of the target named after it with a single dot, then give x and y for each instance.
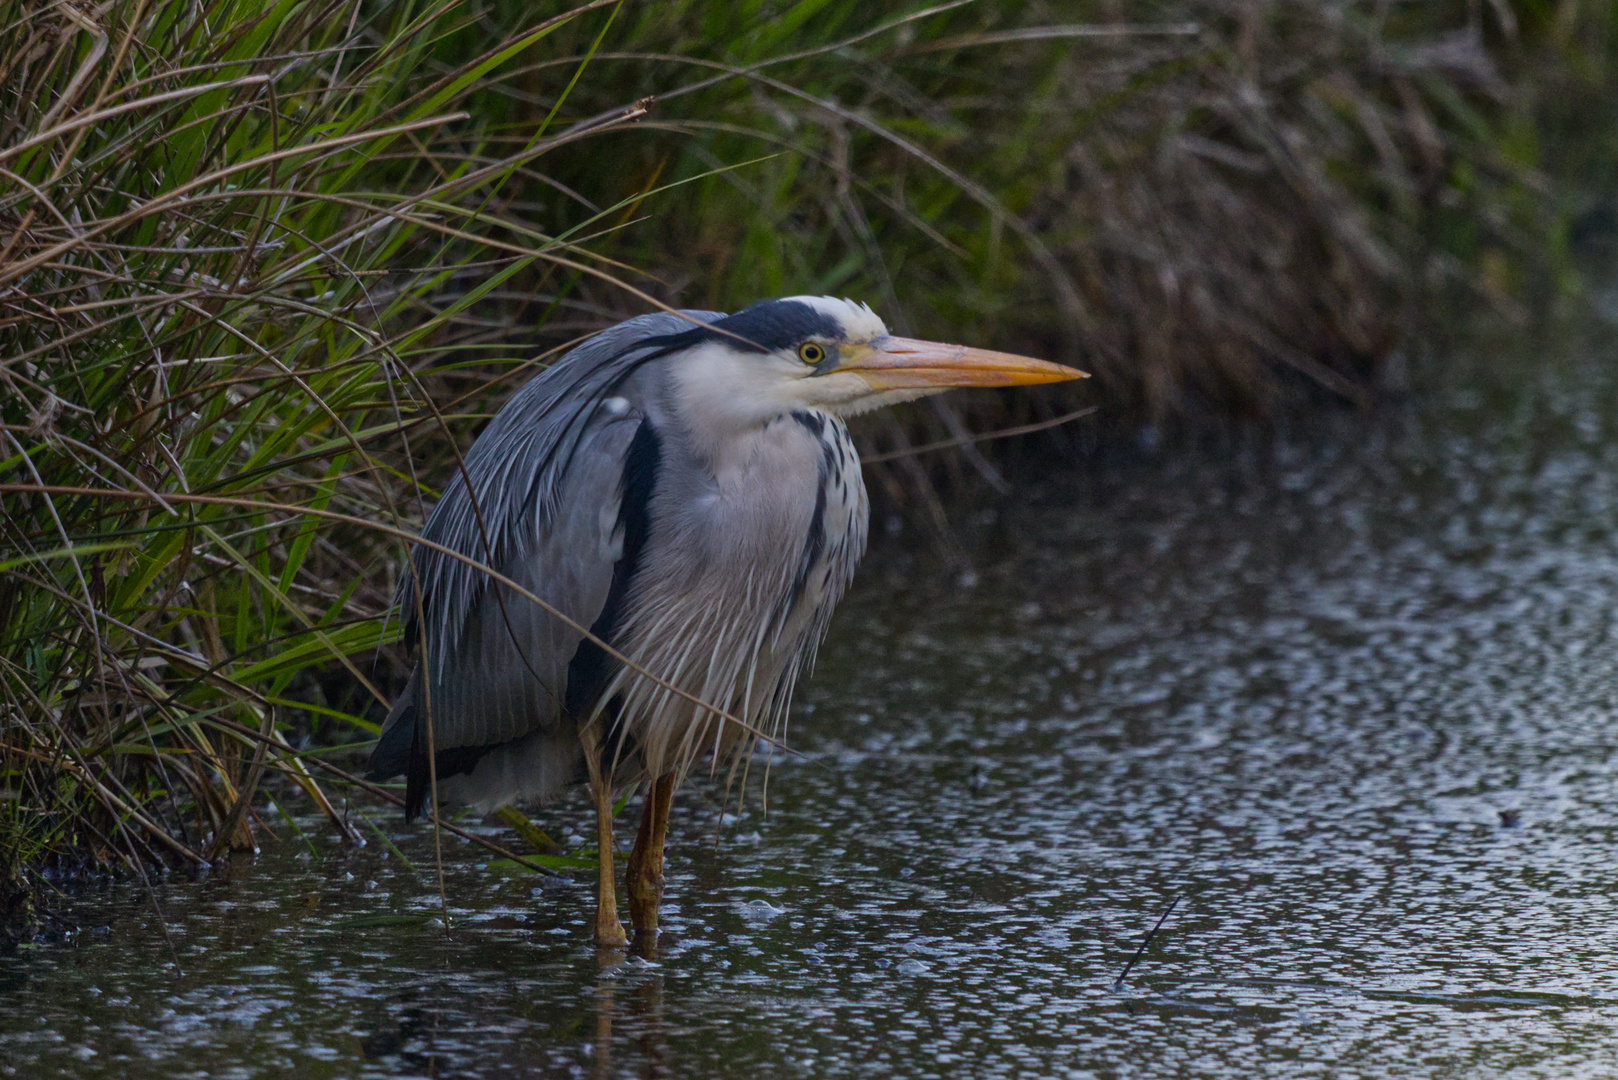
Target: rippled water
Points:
(1350, 699)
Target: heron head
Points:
(823, 353)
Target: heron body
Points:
(684, 486)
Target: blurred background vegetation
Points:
(265, 263)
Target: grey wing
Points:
(504, 677)
(508, 674)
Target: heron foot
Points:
(645, 870)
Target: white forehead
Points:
(858, 321)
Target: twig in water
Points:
(1118, 984)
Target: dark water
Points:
(1352, 698)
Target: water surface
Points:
(1349, 698)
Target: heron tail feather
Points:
(392, 754)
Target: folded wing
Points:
(539, 501)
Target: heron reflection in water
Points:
(682, 485)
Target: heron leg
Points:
(645, 870)
(609, 930)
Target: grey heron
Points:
(682, 485)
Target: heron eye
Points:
(810, 353)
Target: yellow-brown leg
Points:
(609, 930)
(645, 870)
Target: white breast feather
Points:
(716, 615)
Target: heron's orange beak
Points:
(896, 363)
